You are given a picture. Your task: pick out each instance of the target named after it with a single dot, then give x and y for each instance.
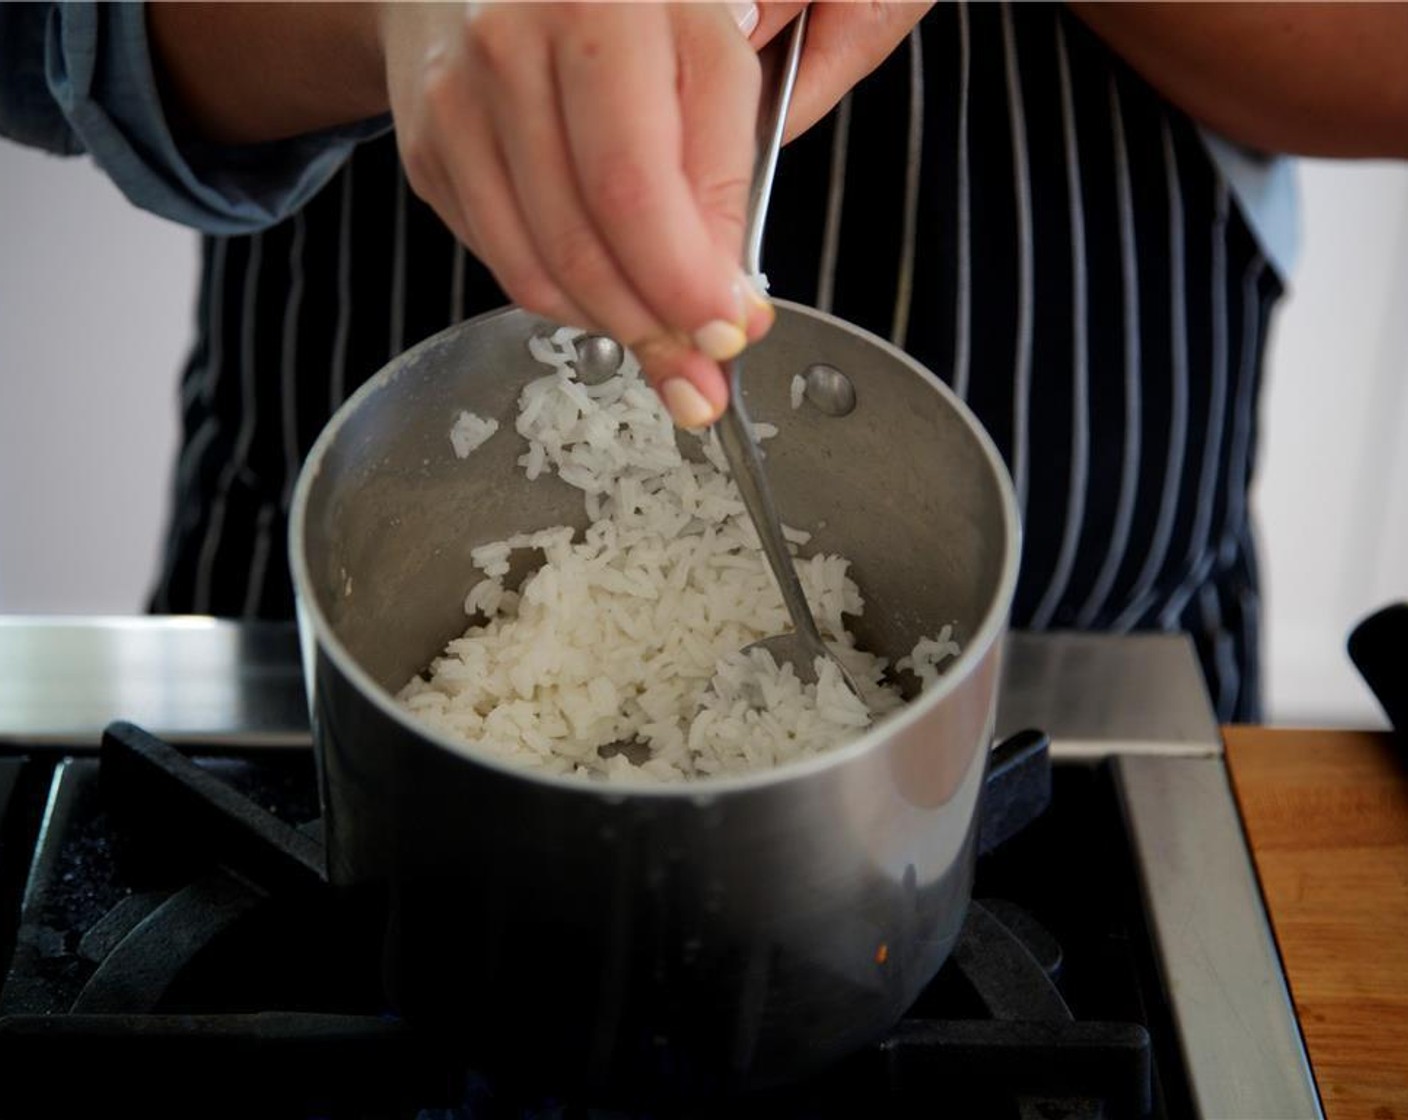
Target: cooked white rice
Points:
(797, 390)
(471, 432)
(632, 630)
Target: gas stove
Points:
(167, 940)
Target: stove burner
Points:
(142, 966)
(235, 965)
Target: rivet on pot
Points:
(829, 390)
(598, 358)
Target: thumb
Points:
(845, 42)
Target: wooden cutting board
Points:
(1327, 817)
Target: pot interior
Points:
(906, 486)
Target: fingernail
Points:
(687, 404)
(759, 306)
(746, 16)
(720, 340)
(746, 289)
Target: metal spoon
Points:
(804, 645)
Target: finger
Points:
(618, 78)
(495, 232)
(485, 209)
(691, 385)
(523, 115)
(688, 382)
(469, 167)
(845, 42)
(540, 177)
(719, 110)
(428, 178)
(436, 186)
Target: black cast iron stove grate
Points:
(177, 949)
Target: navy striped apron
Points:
(1003, 198)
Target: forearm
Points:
(245, 73)
(1311, 79)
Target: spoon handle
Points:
(745, 463)
(735, 430)
(773, 102)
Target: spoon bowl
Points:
(793, 649)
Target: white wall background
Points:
(95, 302)
(1333, 492)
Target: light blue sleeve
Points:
(79, 78)
(1267, 189)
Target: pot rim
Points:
(975, 650)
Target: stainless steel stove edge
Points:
(62, 679)
(1237, 1028)
(1103, 694)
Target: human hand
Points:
(597, 159)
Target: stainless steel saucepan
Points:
(684, 939)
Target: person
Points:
(1023, 197)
